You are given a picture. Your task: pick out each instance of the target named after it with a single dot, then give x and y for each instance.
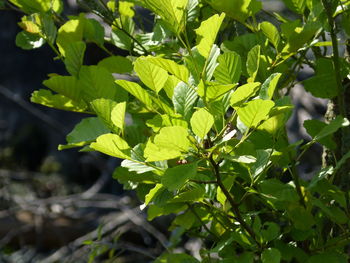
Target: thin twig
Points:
(234, 205)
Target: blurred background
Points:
(53, 203)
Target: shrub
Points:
(206, 135)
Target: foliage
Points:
(207, 139)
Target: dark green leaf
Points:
(27, 40)
(174, 178)
(271, 255)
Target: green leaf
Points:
(174, 137)
(57, 101)
(324, 74)
(65, 85)
(211, 63)
(193, 195)
(116, 64)
(96, 82)
(328, 257)
(155, 211)
(48, 28)
(238, 9)
(313, 127)
(93, 31)
(28, 41)
(156, 190)
(271, 255)
(270, 231)
(277, 191)
(220, 196)
(297, 35)
(35, 6)
(74, 57)
(71, 31)
(84, 132)
(255, 111)
(137, 163)
(160, 121)
(174, 178)
(229, 69)
(302, 219)
(179, 71)
(201, 122)
(297, 6)
(120, 39)
(271, 32)
(242, 44)
(150, 74)
(103, 108)
(169, 143)
(253, 62)
(113, 145)
(173, 12)
(262, 161)
(154, 153)
(176, 258)
(212, 91)
(243, 93)
(118, 115)
(207, 32)
(268, 87)
(170, 85)
(332, 127)
(137, 91)
(183, 99)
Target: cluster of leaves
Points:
(202, 130)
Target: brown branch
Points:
(234, 205)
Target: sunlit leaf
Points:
(113, 145)
(229, 69)
(201, 122)
(253, 62)
(243, 93)
(57, 101)
(150, 74)
(118, 115)
(255, 111)
(271, 32)
(207, 32)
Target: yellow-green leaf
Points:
(201, 122)
(113, 145)
(57, 101)
(173, 12)
(243, 93)
(253, 62)
(179, 71)
(65, 85)
(153, 153)
(118, 115)
(137, 91)
(271, 32)
(229, 69)
(71, 31)
(207, 32)
(212, 91)
(255, 111)
(174, 138)
(150, 74)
